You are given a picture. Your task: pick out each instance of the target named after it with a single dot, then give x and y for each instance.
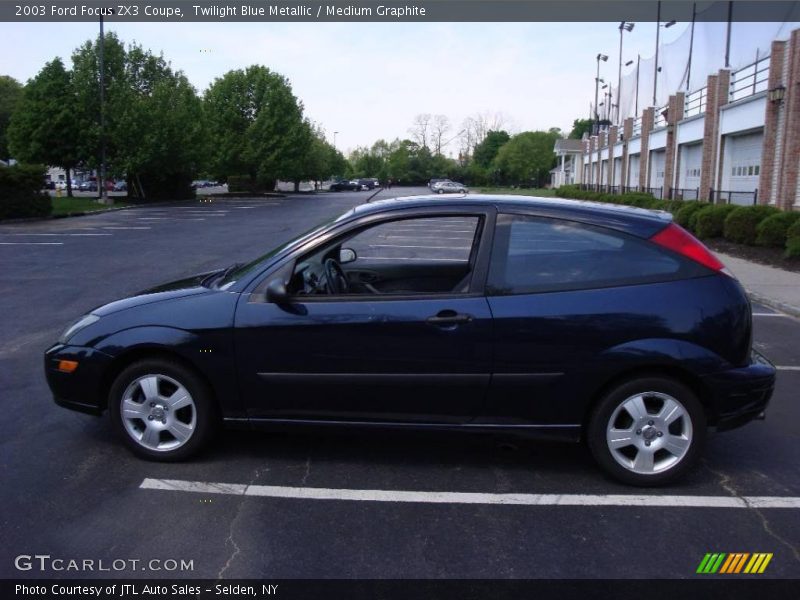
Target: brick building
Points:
(735, 140)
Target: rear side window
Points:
(536, 254)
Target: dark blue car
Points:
(564, 320)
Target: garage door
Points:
(691, 162)
(604, 172)
(657, 170)
(633, 170)
(617, 171)
(742, 162)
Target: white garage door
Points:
(691, 162)
(633, 170)
(657, 170)
(742, 163)
(617, 171)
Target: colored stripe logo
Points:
(734, 563)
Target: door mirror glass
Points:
(347, 255)
(276, 292)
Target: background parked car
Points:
(433, 182)
(450, 187)
(120, 186)
(345, 185)
(370, 183)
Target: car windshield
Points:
(236, 274)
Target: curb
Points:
(789, 309)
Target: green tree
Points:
(486, 151)
(154, 119)
(10, 95)
(527, 158)
(579, 127)
(44, 128)
(86, 81)
(256, 126)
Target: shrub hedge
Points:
(684, 214)
(21, 193)
(793, 240)
(772, 230)
(740, 224)
(708, 222)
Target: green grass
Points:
(517, 191)
(65, 206)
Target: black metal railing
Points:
(657, 192)
(733, 197)
(684, 194)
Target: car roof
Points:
(639, 221)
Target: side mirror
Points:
(347, 255)
(276, 292)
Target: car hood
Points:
(190, 286)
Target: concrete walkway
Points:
(774, 287)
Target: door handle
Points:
(449, 317)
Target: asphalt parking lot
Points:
(71, 490)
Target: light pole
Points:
(335, 133)
(656, 68)
(623, 26)
(101, 184)
(597, 81)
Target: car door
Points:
(412, 353)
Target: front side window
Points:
(535, 254)
(425, 255)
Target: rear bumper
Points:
(81, 390)
(741, 395)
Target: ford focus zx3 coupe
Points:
(560, 319)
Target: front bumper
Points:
(740, 395)
(82, 390)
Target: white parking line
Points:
(769, 315)
(127, 227)
(787, 368)
(307, 493)
(31, 243)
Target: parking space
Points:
(346, 504)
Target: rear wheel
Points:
(162, 410)
(648, 431)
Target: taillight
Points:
(677, 239)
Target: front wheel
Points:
(162, 410)
(648, 431)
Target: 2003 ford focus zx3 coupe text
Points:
(561, 319)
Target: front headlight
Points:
(84, 321)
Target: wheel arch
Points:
(682, 375)
(139, 353)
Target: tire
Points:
(440, 191)
(664, 422)
(169, 412)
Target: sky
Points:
(367, 81)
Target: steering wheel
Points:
(335, 277)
